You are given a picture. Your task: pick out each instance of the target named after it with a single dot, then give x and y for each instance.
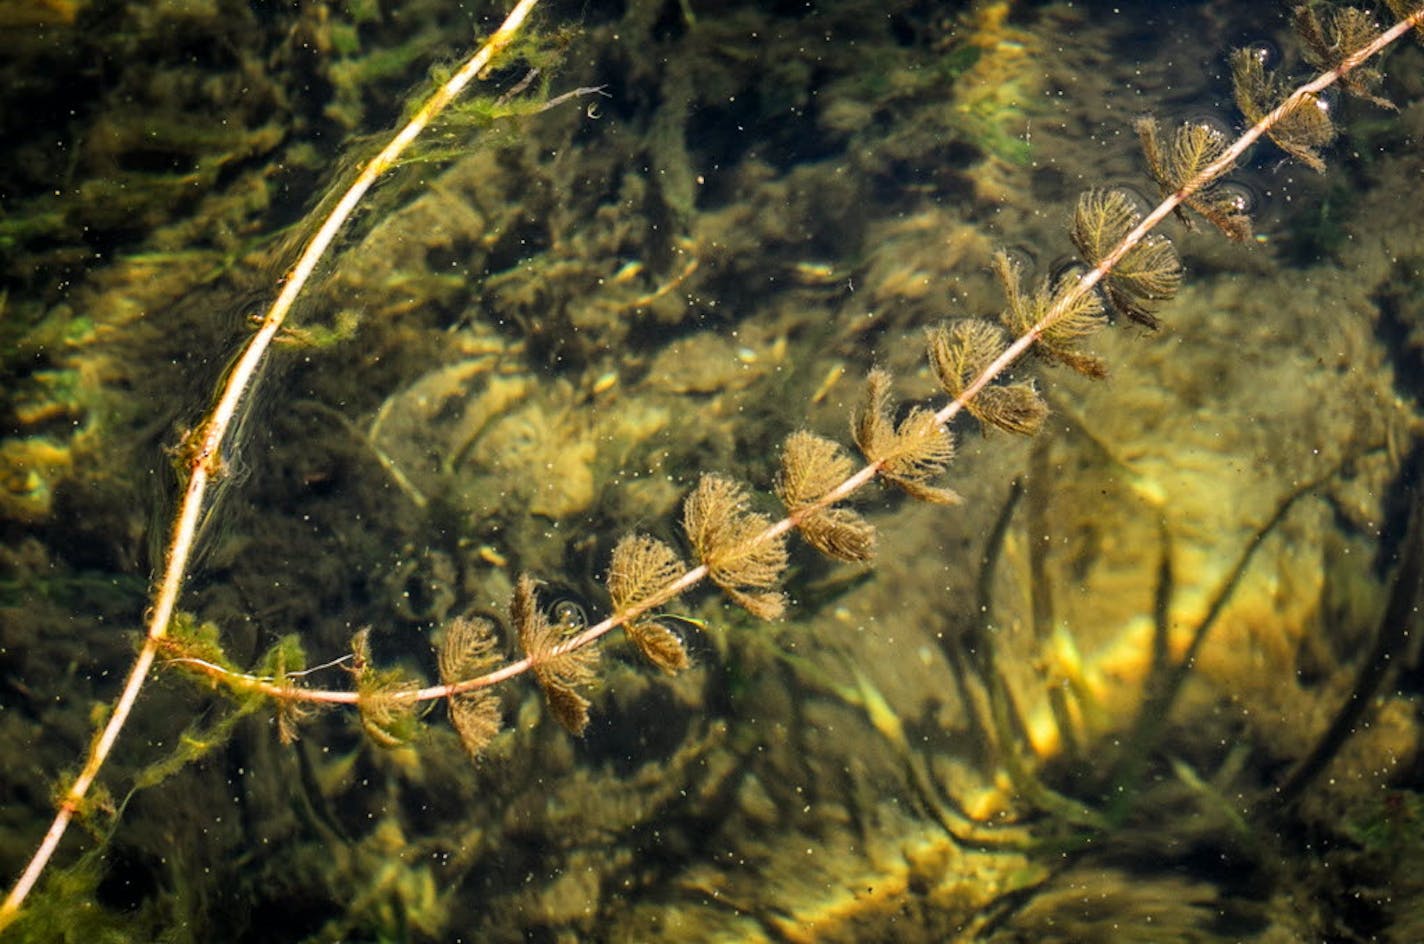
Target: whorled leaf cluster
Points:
(470, 649)
(812, 467)
(560, 671)
(1330, 35)
(1148, 275)
(1303, 130)
(1195, 147)
(641, 569)
(909, 453)
(726, 536)
(960, 351)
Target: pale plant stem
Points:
(204, 457)
(852, 484)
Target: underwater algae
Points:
(526, 351)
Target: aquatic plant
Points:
(1128, 268)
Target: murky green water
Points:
(1102, 698)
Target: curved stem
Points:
(852, 484)
(203, 448)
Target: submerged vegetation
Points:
(532, 380)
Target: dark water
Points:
(1104, 697)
